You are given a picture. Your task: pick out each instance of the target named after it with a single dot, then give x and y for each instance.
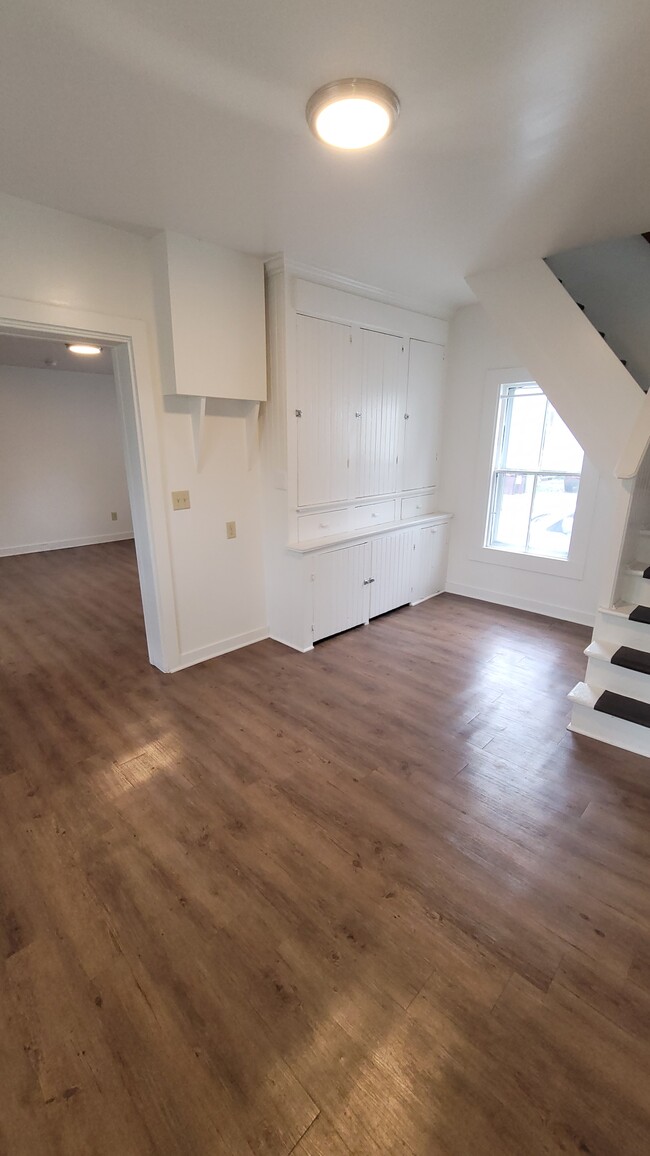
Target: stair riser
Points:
(622, 632)
(619, 679)
(642, 552)
(615, 731)
(636, 590)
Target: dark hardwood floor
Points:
(373, 900)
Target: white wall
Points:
(581, 376)
(474, 350)
(55, 258)
(61, 460)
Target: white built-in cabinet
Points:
(340, 581)
(350, 442)
(379, 413)
(368, 410)
(352, 584)
(423, 415)
(324, 410)
(430, 563)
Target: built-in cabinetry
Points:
(350, 449)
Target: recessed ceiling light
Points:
(85, 350)
(352, 114)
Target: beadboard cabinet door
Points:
(422, 423)
(324, 414)
(391, 568)
(341, 589)
(381, 400)
(430, 560)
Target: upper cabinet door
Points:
(422, 426)
(379, 416)
(324, 393)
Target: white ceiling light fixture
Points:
(352, 114)
(84, 349)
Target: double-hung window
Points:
(536, 472)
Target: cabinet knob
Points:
(323, 525)
(357, 413)
(374, 515)
(298, 413)
(406, 416)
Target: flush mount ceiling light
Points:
(352, 114)
(84, 349)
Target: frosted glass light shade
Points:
(84, 349)
(352, 114)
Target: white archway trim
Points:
(129, 339)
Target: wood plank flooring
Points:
(370, 900)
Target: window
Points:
(535, 476)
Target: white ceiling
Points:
(524, 126)
(37, 353)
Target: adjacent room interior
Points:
(325, 580)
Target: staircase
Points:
(613, 704)
(610, 281)
(597, 395)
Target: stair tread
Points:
(585, 695)
(640, 614)
(620, 706)
(631, 659)
(628, 657)
(623, 609)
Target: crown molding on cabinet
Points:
(278, 263)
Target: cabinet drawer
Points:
(376, 514)
(418, 506)
(323, 525)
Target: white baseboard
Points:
(563, 612)
(214, 650)
(67, 544)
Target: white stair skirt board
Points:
(613, 626)
(604, 727)
(621, 679)
(636, 588)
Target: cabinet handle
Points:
(323, 525)
(374, 515)
(370, 580)
(357, 413)
(298, 413)
(366, 581)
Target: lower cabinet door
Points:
(391, 570)
(430, 560)
(341, 589)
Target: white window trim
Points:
(574, 566)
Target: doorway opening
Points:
(68, 573)
(133, 475)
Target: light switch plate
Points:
(181, 499)
(113, 516)
(231, 529)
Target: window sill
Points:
(535, 563)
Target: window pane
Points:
(524, 416)
(561, 451)
(512, 507)
(552, 514)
